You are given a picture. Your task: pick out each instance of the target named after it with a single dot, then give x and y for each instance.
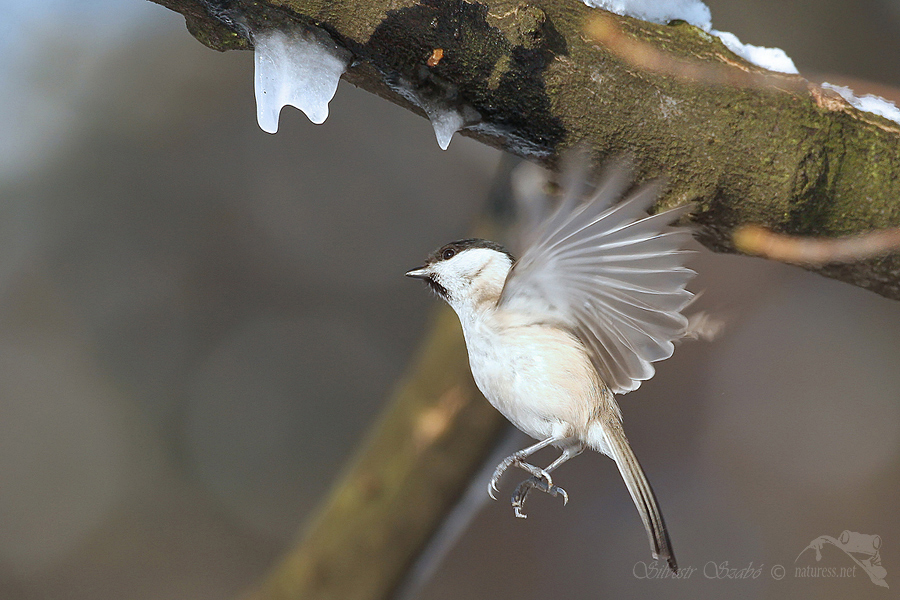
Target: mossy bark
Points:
(786, 155)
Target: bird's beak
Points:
(419, 273)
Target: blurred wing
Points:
(613, 274)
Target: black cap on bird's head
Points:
(450, 250)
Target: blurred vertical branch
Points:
(415, 463)
(408, 473)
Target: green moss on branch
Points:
(745, 145)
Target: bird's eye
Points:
(448, 254)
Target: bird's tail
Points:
(644, 499)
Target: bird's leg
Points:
(521, 493)
(517, 459)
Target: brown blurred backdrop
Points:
(198, 320)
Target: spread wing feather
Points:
(613, 274)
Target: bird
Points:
(554, 336)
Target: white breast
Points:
(537, 375)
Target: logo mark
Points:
(862, 549)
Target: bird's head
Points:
(466, 273)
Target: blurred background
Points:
(198, 321)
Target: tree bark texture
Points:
(784, 154)
(787, 155)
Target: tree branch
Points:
(789, 155)
(415, 462)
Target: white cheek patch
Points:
(473, 272)
(474, 261)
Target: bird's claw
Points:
(495, 478)
(522, 490)
(492, 488)
(547, 478)
(517, 460)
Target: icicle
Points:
(300, 68)
(440, 101)
(446, 122)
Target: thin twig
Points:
(759, 241)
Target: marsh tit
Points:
(552, 337)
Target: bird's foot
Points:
(518, 460)
(532, 483)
